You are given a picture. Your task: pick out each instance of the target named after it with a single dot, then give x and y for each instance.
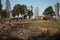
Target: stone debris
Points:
(23, 31)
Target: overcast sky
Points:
(41, 4)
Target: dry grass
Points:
(46, 24)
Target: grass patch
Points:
(46, 24)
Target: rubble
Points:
(24, 32)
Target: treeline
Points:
(18, 10)
(22, 10)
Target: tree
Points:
(3, 14)
(49, 12)
(18, 9)
(0, 7)
(30, 14)
(24, 7)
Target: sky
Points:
(41, 4)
